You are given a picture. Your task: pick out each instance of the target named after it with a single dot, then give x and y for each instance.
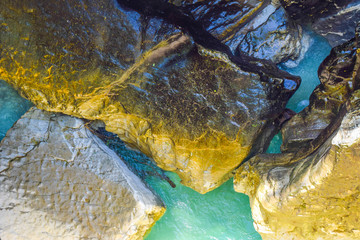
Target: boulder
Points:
(338, 75)
(315, 196)
(278, 38)
(181, 97)
(256, 28)
(310, 10)
(339, 27)
(59, 181)
(310, 191)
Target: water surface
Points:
(12, 107)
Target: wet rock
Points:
(337, 75)
(257, 28)
(60, 181)
(310, 10)
(311, 190)
(339, 27)
(195, 109)
(277, 39)
(223, 19)
(310, 197)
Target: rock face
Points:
(316, 197)
(310, 10)
(59, 181)
(310, 191)
(278, 38)
(333, 19)
(339, 76)
(257, 28)
(339, 27)
(186, 101)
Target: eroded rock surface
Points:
(333, 19)
(195, 109)
(257, 28)
(338, 74)
(339, 27)
(59, 181)
(315, 197)
(312, 190)
(310, 10)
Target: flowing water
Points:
(221, 214)
(12, 107)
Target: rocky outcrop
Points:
(59, 181)
(339, 27)
(310, 191)
(333, 19)
(338, 75)
(256, 28)
(183, 99)
(315, 197)
(310, 10)
(278, 38)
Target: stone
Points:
(337, 74)
(256, 28)
(311, 189)
(339, 27)
(307, 11)
(59, 181)
(312, 197)
(180, 97)
(278, 39)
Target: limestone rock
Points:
(59, 181)
(278, 38)
(257, 28)
(310, 10)
(338, 75)
(195, 110)
(311, 197)
(339, 27)
(311, 190)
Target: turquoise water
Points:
(221, 214)
(12, 107)
(307, 70)
(275, 144)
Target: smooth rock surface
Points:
(59, 181)
(314, 197)
(196, 111)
